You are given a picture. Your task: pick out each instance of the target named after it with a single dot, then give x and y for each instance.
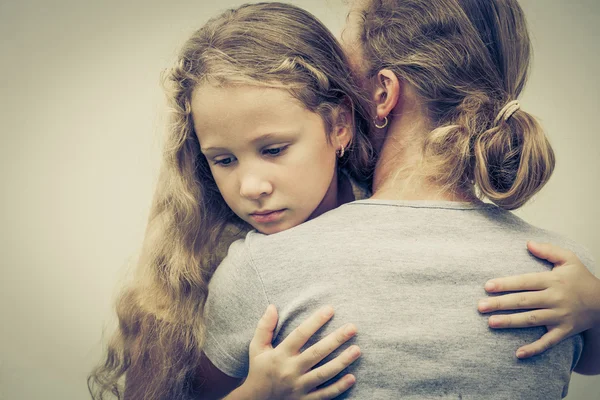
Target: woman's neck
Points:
(397, 173)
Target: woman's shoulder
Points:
(521, 230)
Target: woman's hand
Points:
(566, 300)
(285, 372)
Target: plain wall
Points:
(81, 122)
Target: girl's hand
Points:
(566, 300)
(285, 372)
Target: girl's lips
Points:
(268, 216)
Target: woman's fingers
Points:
(547, 251)
(299, 336)
(531, 281)
(318, 351)
(549, 340)
(333, 390)
(263, 335)
(330, 369)
(524, 319)
(515, 301)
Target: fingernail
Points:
(484, 305)
(327, 311)
(520, 354)
(355, 351)
(350, 379)
(494, 321)
(490, 285)
(350, 329)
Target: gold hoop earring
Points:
(385, 122)
(340, 152)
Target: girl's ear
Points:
(342, 128)
(386, 93)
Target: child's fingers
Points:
(299, 336)
(263, 335)
(550, 252)
(318, 351)
(514, 301)
(531, 281)
(327, 371)
(524, 319)
(549, 340)
(332, 391)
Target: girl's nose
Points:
(254, 187)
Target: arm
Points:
(566, 300)
(284, 371)
(589, 363)
(236, 301)
(212, 383)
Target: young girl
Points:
(267, 131)
(260, 96)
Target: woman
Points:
(444, 77)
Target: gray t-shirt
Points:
(408, 275)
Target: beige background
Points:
(80, 121)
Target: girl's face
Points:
(268, 154)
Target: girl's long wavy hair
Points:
(161, 327)
(466, 59)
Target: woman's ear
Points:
(386, 93)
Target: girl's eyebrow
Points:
(272, 136)
(205, 150)
(259, 139)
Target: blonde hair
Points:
(161, 314)
(466, 59)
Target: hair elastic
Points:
(508, 110)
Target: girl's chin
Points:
(274, 228)
(270, 230)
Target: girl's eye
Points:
(224, 161)
(276, 151)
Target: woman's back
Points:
(409, 275)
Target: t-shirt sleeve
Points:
(236, 301)
(588, 260)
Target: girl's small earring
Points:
(385, 122)
(340, 152)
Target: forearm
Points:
(589, 362)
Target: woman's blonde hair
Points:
(466, 59)
(160, 315)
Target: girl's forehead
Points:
(217, 111)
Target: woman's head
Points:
(465, 60)
(265, 69)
